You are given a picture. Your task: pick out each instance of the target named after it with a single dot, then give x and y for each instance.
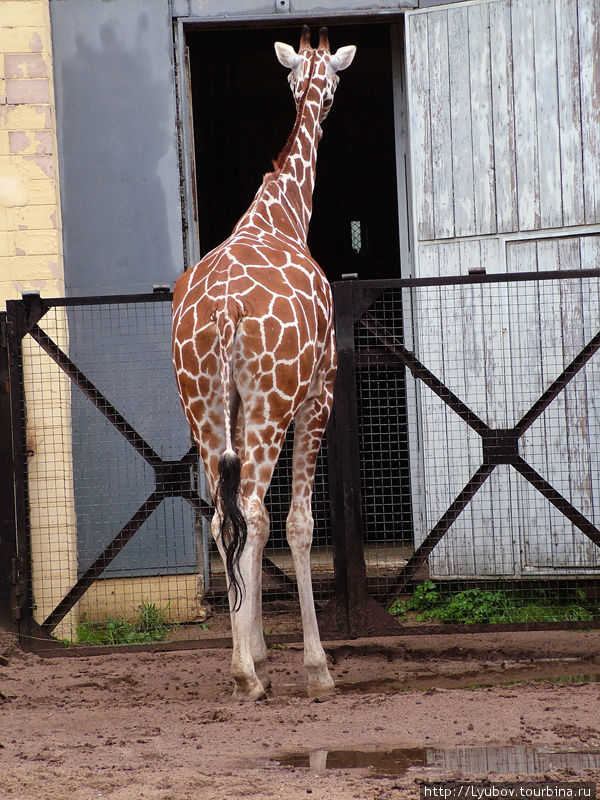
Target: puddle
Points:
(474, 679)
(476, 760)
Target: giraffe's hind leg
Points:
(211, 444)
(250, 653)
(310, 423)
(247, 683)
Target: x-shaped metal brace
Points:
(499, 445)
(173, 478)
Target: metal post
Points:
(22, 611)
(352, 612)
(8, 536)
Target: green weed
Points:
(430, 603)
(151, 625)
(271, 645)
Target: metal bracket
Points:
(500, 446)
(35, 309)
(174, 478)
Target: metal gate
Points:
(462, 451)
(470, 441)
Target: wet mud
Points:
(163, 726)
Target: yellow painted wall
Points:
(30, 222)
(180, 596)
(31, 260)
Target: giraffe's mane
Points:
(281, 158)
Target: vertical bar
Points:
(8, 540)
(344, 472)
(352, 612)
(22, 605)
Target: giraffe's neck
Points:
(283, 203)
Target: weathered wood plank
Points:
(481, 119)
(550, 453)
(589, 248)
(505, 482)
(498, 392)
(505, 167)
(575, 399)
(448, 552)
(460, 111)
(474, 531)
(567, 54)
(420, 125)
(589, 48)
(525, 110)
(439, 101)
(547, 119)
(526, 358)
(433, 410)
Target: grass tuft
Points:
(151, 625)
(429, 603)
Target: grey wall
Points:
(122, 233)
(116, 119)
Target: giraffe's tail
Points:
(233, 527)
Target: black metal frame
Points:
(173, 478)
(9, 602)
(353, 611)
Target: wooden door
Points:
(504, 122)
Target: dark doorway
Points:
(243, 112)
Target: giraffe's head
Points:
(310, 67)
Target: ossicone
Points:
(324, 40)
(304, 39)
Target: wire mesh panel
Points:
(124, 350)
(117, 513)
(100, 424)
(381, 386)
(498, 347)
(460, 477)
(479, 454)
(277, 591)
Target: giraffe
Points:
(254, 349)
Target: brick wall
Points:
(30, 224)
(31, 260)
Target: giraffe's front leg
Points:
(299, 534)
(310, 424)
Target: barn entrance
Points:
(242, 114)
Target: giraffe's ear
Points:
(342, 58)
(286, 55)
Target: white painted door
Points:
(504, 126)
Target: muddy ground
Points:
(162, 726)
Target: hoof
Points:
(263, 675)
(321, 688)
(256, 692)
